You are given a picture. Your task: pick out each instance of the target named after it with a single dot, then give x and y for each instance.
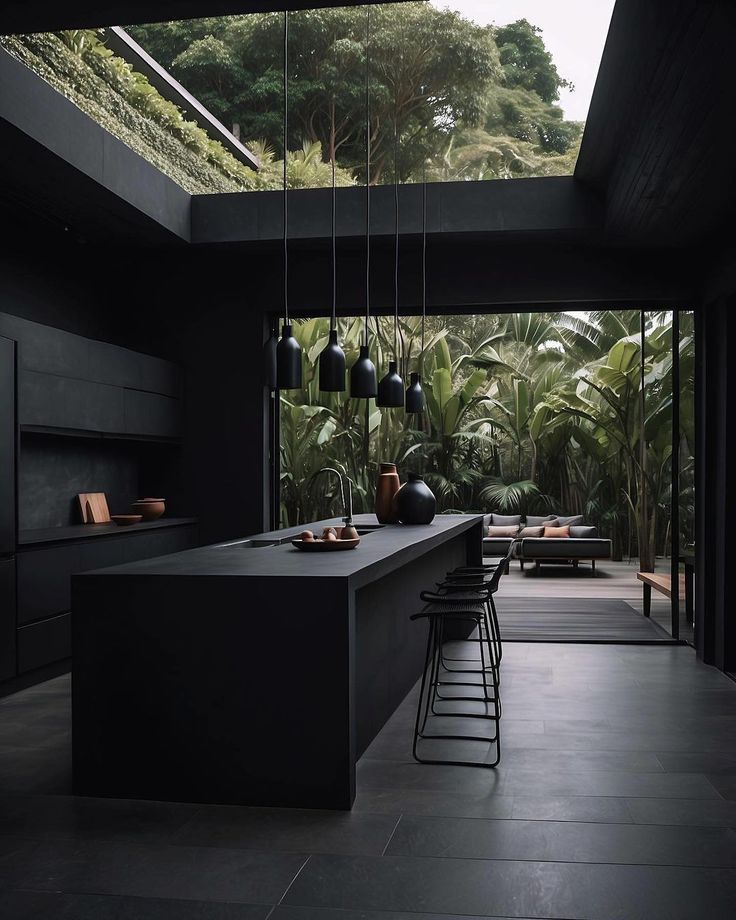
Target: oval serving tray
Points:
(321, 546)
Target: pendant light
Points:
(414, 393)
(363, 372)
(391, 387)
(288, 350)
(332, 357)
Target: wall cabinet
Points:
(62, 390)
(78, 384)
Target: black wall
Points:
(716, 480)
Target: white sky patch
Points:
(574, 31)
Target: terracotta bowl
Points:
(124, 520)
(149, 508)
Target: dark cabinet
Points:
(7, 618)
(62, 402)
(44, 585)
(43, 643)
(7, 447)
(44, 582)
(151, 414)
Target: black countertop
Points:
(381, 551)
(85, 531)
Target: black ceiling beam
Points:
(19, 16)
(557, 205)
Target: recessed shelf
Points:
(86, 531)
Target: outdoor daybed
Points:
(568, 539)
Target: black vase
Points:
(415, 503)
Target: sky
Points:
(574, 31)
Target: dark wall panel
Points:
(53, 470)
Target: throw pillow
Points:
(583, 532)
(557, 531)
(502, 531)
(533, 520)
(532, 532)
(574, 521)
(505, 520)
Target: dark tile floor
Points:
(615, 800)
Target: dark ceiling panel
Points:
(656, 138)
(17, 16)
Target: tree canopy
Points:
(472, 101)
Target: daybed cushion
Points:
(564, 549)
(575, 521)
(503, 531)
(556, 532)
(538, 520)
(532, 532)
(505, 520)
(583, 532)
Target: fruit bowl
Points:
(325, 546)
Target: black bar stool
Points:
(487, 578)
(461, 600)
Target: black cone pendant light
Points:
(288, 350)
(332, 357)
(415, 395)
(363, 372)
(391, 387)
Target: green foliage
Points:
(525, 412)
(79, 65)
(526, 62)
(472, 102)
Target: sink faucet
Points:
(347, 506)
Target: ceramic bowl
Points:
(124, 520)
(149, 508)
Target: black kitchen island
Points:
(250, 672)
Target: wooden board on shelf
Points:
(93, 506)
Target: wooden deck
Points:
(612, 580)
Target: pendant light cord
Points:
(396, 247)
(286, 196)
(334, 248)
(424, 262)
(367, 175)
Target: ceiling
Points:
(49, 15)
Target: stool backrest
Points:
(501, 569)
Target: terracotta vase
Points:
(388, 485)
(415, 503)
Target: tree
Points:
(475, 102)
(526, 62)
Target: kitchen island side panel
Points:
(210, 689)
(390, 647)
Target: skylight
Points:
(463, 90)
